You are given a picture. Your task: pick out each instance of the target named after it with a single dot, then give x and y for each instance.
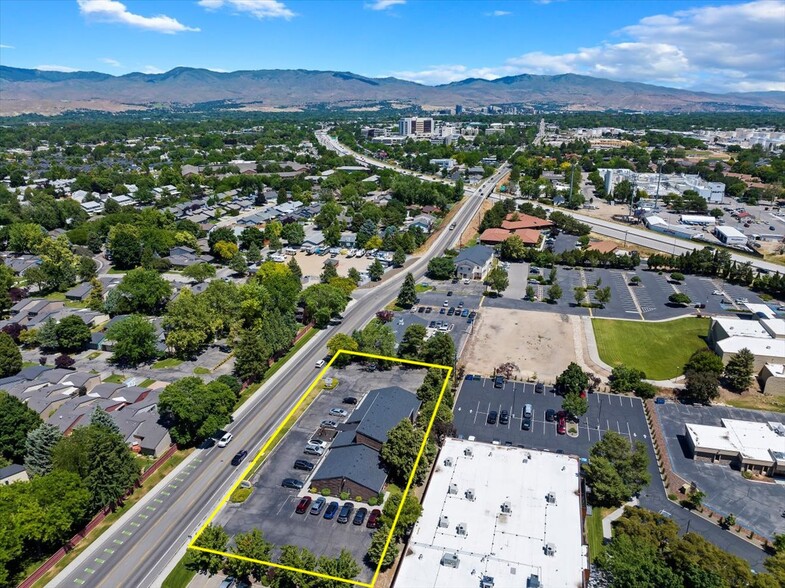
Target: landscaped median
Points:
(659, 349)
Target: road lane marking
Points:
(109, 550)
(78, 581)
(134, 524)
(172, 486)
(127, 533)
(99, 560)
(89, 570)
(117, 541)
(165, 493)
(150, 507)
(144, 516)
(158, 500)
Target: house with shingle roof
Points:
(474, 262)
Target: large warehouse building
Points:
(763, 334)
(497, 516)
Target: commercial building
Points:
(750, 446)
(474, 262)
(352, 463)
(730, 235)
(497, 516)
(763, 334)
(415, 126)
(662, 184)
(772, 379)
(697, 219)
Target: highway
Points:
(141, 547)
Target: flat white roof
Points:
(730, 232)
(751, 439)
(775, 326)
(762, 310)
(508, 547)
(757, 345)
(742, 327)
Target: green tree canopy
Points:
(135, 340)
(573, 379)
(10, 356)
(412, 342)
(142, 291)
(202, 562)
(16, 421)
(39, 445)
(407, 295)
(740, 369)
(194, 410)
(615, 470)
(441, 268)
(72, 334)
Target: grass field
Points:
(594, 532)
(660, 350)
(170, 362)
(179, 577)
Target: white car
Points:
(717, 292)
(224, 441)
(317, 443)
(338, 412)
(320, 364)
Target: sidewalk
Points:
(606, 522)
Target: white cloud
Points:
(62, 68)
(722, 48)
(151, 69)
(260, 9)
(114, 11)
(384, 4)
(110, 61)
(499, 13)
(7, 47)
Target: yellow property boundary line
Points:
(262, 451)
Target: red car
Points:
(561, 425)
(303, 505)
(373, 518)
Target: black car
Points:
(359, 517)
(539, 387)
(449, 293)
(292, 483)
(504, 417)
(550, 415)
(421, 309)
(451, 311)
(432, 325)
(526, 424)
(350, 400)
(302, 464)
(492, 417)
(346, 513)
(498, 382)
(239, 457)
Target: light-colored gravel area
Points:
(312, 265)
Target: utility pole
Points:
(572, 180)
(657, 192)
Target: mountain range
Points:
(50, 92)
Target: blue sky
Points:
(713, 46)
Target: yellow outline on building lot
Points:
(272, 437)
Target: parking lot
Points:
(607, 412)
(757, 505)
(271, 507)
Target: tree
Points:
(294, 267)
(530, 294)
(39, 445)
(400, 451)
(677, 277)
(354, 275)
(739, 371)
(252, 354)
(58, 263)
(46, 337)
(323, 297)
(680, 299)
(16, 421)
(295, 558)
(135, 340)
(199, 271)
(25, 237)
(293, 233)
(254, 254)
(701, 386)
(399, 257)
(376, 338)
(376, 270)
(86, 268)
(328, 273)
(376, 549)
(624, 379)
(441, 268)
(189, 324)
(194, 410)
(412, 342)
(705, 360)
(574, 405)
(343, 566)
(555, 293)
(125, 246)
(580, 295)
(238, 264)
(95, 300)
(497, 279)
(113, 470)
(225, 250)
(251, 545)
(36, 276)
(407, 296)
(202, 562)
(513, 249)
(439, 350)
(603, 296)
(341, 341)
(10, 356)
(225, 234)
(7, 280)
(142, 291)
(64, 361)
(572, 380)
(101, 418)
(72, 333)
(615, 470)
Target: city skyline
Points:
(711, 46)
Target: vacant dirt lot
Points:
(312, 265)
(540, 343)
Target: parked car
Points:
(550, 415)
(498, 382)
(465, 312)
(491, 420)
(329, 424)
(451, 311)
(227, 582)
(428, 310)
(331, 510)
(346, 512)
(432, 325)
(303, 505)
(504, 417)
(526, 423)
(225, 440)
(318, 505)
(317, 443)
(305, 465)
(350, 400)
(539, 388)
(320, 364)
(561, 426)
(292, 483)
(373, 518)
(449, 293)
(313, 450)
(359, 516)
(239, 457)
(421, 309)
(442, 311)
(338, 412)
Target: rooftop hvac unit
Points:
(551, 498)
(470, 494)
(486, 582)
(550, 549)
(448, 462)
(444, 521)
(452, 489)
(468, 452)
(461, 529)
(506, 508)
(533, 581)
(450, 560)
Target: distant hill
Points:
(48, 92)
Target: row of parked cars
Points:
(347, 512)
(551, 415)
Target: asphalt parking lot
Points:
(271, 507)
(606, 412)
(757, 505)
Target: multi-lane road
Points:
(146, 542)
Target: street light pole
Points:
(657, 192)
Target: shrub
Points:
(64, 361)
(672, 496)
(313, 490)
(344, 496)
(325, 492)
(746, 475)
(358, 498)
(373, 501)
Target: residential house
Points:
(474, 262)
(13, 473)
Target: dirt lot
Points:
(540, 343)
(312, 265)
(474, 225)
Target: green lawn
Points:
(420, 288)
(201, 371)
(594, 532)
(167, 363)
(660, 350)
(179, 577)
(115, 379)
